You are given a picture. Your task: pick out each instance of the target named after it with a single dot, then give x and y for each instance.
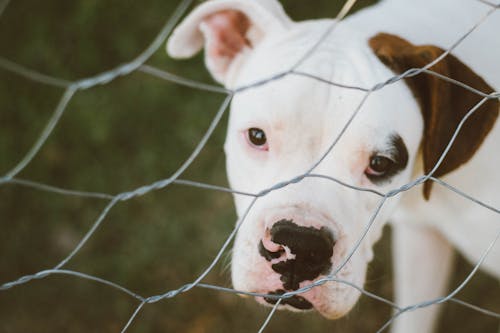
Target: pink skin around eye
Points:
(264, 147)
(370, 171)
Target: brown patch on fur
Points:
(443, 104)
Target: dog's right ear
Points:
(443, 104)
(227, 29)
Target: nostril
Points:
(269, 255)
(312, 249)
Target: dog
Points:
(300, 233)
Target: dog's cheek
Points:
(246, 262)
(338, 298)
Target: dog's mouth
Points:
(296, 301)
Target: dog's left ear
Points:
(443, 104)
(228, 30)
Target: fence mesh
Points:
(139, 64)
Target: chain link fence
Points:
(72, 88)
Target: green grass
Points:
(114, 138)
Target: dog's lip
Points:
(296, 301)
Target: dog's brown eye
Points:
(379, 166)
(257, 137)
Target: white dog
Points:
(277, 131)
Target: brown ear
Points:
(443, 104)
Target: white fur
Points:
(302, 117)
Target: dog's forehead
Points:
(305, 47)
(297, 95)
(301, 102)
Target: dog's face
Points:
(302, 232)
(278, 131)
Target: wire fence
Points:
(138, 64)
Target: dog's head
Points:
(277, 131)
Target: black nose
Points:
(313, 249)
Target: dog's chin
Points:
(300, 304)
(329, 305)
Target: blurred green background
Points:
(114, 138)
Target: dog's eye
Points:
(386, 163)
(257, 138)
(379, 166)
